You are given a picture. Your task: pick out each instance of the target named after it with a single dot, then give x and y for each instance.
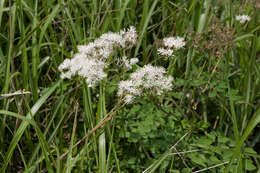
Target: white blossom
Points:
(243, 18)
(129, 35)
(129, 98)
(134, 61)
(176, 42)
(165, 52)
(91, 69)
(129, 63)
(91, 60)
(126, 63)
(64, 65)
(128, 86)
(149, 78)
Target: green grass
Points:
(215, 98)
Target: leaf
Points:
(198, 159)
(186, 170)
(243, 37)
(24, 125)
(251, 125)
(205, 141)
(249, 165)
(223, 139)
(250, 150)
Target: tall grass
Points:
(51, 129)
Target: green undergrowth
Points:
(208, 122)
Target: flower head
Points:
(170, 44)
(148, 78)
(176, 42)
(129, 63)
(165, 52)
(243, 18)
(129, 35)
(91, 60)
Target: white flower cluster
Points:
(243, 18)
(176, 42)
(129, 63)
(165, 52)
(171, 43)
(148, 77)
(90, 61)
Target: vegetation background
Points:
(209, 122)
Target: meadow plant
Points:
(170, 44)
(210, 110)
(147, 78)
(91, 60)
(243, 18)
(128, 64)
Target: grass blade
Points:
(24, 124)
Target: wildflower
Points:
(243, 18)
(128, 86)
(91, 69)
(129, 98)
(169, 44)
(176, 42)
(91, 60)
(165, 52)
(129, 35)
(147, 78)
(129, 63)
(134, 61)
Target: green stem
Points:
(102, 137)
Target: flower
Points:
(129, 35)
(243, 18)
(91, 69)
(129, 63)
(165, 52)
(170, 43)
(91, 60)
(176, 42)
(148, 78)
(134, 61)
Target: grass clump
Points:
(176, 91)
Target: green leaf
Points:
(198, 159)
(205, 141)
(251, 125)
(243, 37)
(249, 165)
(250, 150)
(24, 125)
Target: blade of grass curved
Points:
(9, 65)
(204, 17)
(32, 164)
(45, 148)
(19, 148)
(24, 125)
(55, 10)
(122, 14)
(251, 125)
(145, 27)
(13, 114)
(42, 141)
(242, 37)
(69, 162)
(47, 130)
